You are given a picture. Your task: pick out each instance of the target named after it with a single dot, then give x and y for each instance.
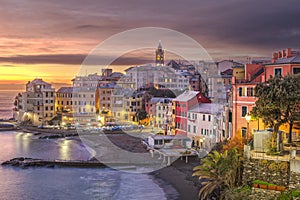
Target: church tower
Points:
(160, 58)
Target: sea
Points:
(63, 183)
(66, 183)
(7, 103)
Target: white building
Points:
(84, 89)
(163, 113)
(200, 125)
(158, 76)
(37, 104)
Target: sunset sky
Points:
(50, 39)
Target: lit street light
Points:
(248, 118)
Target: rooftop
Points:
(65, 90)
(186, 95)
(160, 100)
(290, 60)
(202, 108)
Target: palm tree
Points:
(219, 171)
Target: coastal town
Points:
(176, 98)
(186, 109)
(149, 100)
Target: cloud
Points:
(73, 59)
(231, 26)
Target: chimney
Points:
(288, 52)
(283, 54)
(275, 56)
(233, 80)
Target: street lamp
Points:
(215, 130)
(248, 118)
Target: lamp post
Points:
(248, 118)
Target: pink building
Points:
(283, 63)
(181, 105)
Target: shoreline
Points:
(178, 176)
(175, 180)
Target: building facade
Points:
(36, 104)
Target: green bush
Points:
(287, 195)
(260, 182)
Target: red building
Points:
(181, 105)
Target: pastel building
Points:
(180, 105)
(36, 104)
(64, 100)
(283, 63)
(200, 125)
(84, 107)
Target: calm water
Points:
(7, 103)
(65, 183)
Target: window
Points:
(209, 118)
(250, 92)
(244, 132)
(194, 129)
(203, 118)
(51, 108)
(240, 91)
(277, 72)
(189, 128)
(296, 70)
(46, 108)
(244, 111)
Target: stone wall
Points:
(276, 172)
(294, 181)
(262, 194)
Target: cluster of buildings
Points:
(178, 97)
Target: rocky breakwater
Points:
(32, 162)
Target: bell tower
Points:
(159, 59)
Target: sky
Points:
(50, 39)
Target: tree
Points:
(278, 102)
(218, 171)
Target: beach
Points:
(175, 180)
(179, 176)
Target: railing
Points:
(288, 157)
